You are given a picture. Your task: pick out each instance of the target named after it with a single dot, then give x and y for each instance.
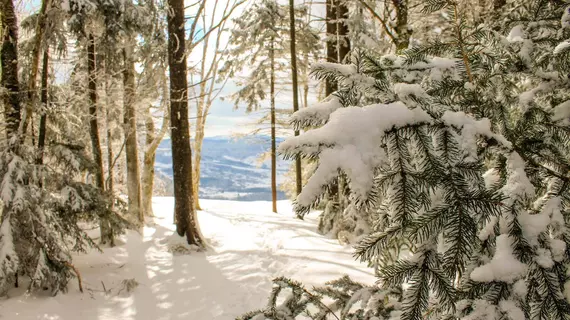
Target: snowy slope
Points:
(251, 245)
(230, 167)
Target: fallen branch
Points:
(77, 274)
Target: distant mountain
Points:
(231, 168)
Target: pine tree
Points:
(260, 30)
(456, 157)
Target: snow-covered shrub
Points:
(42, 206)
(351, 299)
(458, 151)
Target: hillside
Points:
(231, 168)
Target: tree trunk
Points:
(110, 153)
(198, 142)
(9, 64)
(331, 29)
(199, 136)
(152, 142)
(186, 220)
(131, 145)
(147, 177)
(106, 230)
(273, 147)
(44, 101)
(298, 172)
(343, 43)
(36, 52)
(338, 44)
(401, 28)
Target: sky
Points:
(223, 119)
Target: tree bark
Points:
(152, 142)
(110, 154)
(105, 227)
(273, 146)
(36, 52)
(44, 101)
(401, 28)
(131, 143)
(9, 64)
(343, 42)
(298, 172)
(331, 37)
(147, 177)
(186, 220)
(338, 44)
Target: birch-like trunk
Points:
(152, 142)
(273, 145)
(110, 154)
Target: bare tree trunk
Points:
(36, 52)
(110, 155)
(208, 76)
(106, 230)
(273, 146)
(131, 145)
(186, 220)
(9, 64)
(298, 172)
(343, 43)
(331, 28)
(152, 142)
(401, 27)
(198, 143)
(338, 44)
(147, 177)
(305, 81)
(44, 101)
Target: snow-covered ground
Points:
(250, 246)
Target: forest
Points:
(427, 145)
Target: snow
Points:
(561, 47)
(520, 289)
(471, 129)
(517, 34)
(518, 186)
(143, 280)
(344, 69)
(318, 113)
(357, 155)
(562, 112)
(488, 229)
(482, 310)
(544, 258)
(403, 90)
(512, 310)
(491, 178)
(565, 20)
(8, 258)
(558, 249)
(503, 267)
